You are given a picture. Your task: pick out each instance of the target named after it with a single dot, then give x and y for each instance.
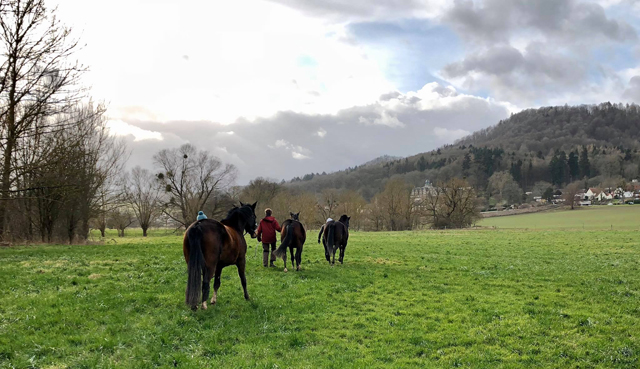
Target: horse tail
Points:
(282, 250)
(195, 266)
(331, 236)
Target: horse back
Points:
(341, 234)
(219, 242)
(299, 233)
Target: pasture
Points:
(602, 217)
(478, 299)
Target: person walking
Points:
(267, 235)
(322, 228)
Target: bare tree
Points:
(120, 219)
(375, 213)
(352, 204)
(452, 205)
(261, 190)
(191, 178)
(143, 192)
(398, 207)
(570, 193)
(37, 79)
(328, 203)
(292, 200)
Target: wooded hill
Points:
(561, 144)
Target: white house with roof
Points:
(592, 193)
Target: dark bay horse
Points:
(210, 245)
(292, 236)
(336, 235)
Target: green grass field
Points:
(618, 217)
(475, 299)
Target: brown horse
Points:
(210, 245)
(292, 236)
(336, 235)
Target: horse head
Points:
(247, 214)
(295, 216)
(344, 219)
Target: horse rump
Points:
(282, 250)
(195, 266)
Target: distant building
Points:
(592, 192)
(419, 193)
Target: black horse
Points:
(336, 236)
(292, 236)
(210, 245)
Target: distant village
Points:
(630, 195)
(600, 196)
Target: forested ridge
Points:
(595, 143)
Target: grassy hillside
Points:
(620, 217)
(480, 299)
(533, 145)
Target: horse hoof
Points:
(194, 308)
(246, 297)
(204, 305)
(285, 270)
(298, 269)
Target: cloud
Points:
(321, 132)
(384, 119)
(493, 21)
(538, 52)
(632, 93)
(286, 144)
(359, 10)
(450, 134)
(519, 76)
(298, 156)
(120, 128)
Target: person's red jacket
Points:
(267, 230)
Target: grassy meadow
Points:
(469, 298)
(616, 217)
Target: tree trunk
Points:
(6, 176)
(144, 231)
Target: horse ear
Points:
(241, 204)
(298, 214)
(254, 205)
(348, 218)
(290, 213)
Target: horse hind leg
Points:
(243, 279)
(333, 251)
(216, 284)
(342, 248)
(293, 259)
(298, 257)
(206, 285)
(284, 259)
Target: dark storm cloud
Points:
(514, 75)
(557, 43)
(569, 20)
(292, 144)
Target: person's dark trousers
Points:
(265, 253)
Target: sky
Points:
(282, 88)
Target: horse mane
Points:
(235, 211)
(231, 212)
